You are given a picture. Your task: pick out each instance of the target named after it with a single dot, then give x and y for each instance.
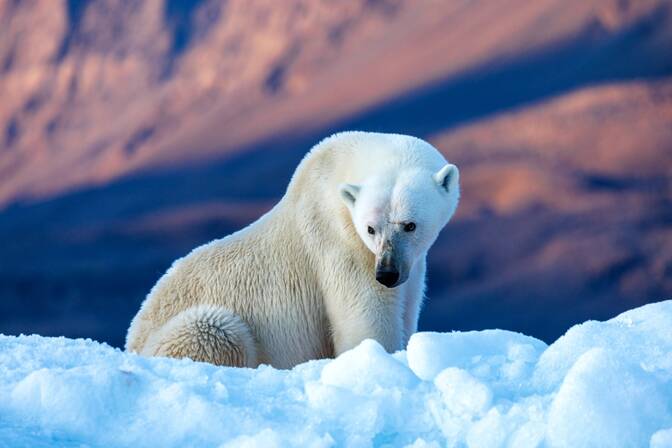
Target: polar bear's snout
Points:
(387, 276)
(387, 271)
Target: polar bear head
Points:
(398, 214)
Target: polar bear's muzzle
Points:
(387, 271)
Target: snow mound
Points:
(601, 384)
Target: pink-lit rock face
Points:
(132, 131)
(540, 155)
(100, 91)
(580, 190)
(103, 90)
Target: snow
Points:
(601, 384)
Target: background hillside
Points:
(132, 131)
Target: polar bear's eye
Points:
(370, 230)
(409, 227)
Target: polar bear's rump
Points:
(208, 334)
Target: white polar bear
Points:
(341, 258)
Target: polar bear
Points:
(340, 259)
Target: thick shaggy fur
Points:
(299, 283)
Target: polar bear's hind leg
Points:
(208, 334)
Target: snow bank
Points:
(602, 384)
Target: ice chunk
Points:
(662, 439)
(366, 367)
(461, 392)
(607, 398)
(643, 334)
(491, 355)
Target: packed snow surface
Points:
(601, 384)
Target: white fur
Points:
(300, 282)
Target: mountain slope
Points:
(109, 87)
(134, 131)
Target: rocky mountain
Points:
(131, 131)
(566, 210)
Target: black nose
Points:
(388, 278)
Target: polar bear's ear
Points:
(448, 177)
(349, 194)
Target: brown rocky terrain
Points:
(588, 232)
(131, 131)
(99, 89)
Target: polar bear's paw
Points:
(205, 333)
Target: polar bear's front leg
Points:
(414, 293)
(374, 318)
